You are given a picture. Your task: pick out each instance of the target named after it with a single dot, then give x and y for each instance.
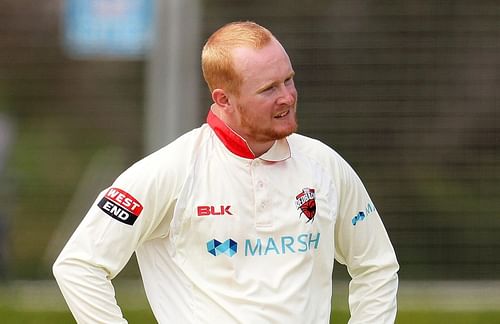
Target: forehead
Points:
(262, 65)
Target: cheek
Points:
(295, 94)
(261, 107)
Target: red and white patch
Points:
(121, 206)
(306, 202)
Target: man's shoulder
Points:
(175, 154)
(314, 149)
(321, 154)
(303, 143)
(182, 145)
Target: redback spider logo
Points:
(306, 202)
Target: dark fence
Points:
(406, 91)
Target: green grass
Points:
(9, 315)
(448, 317)
(40, 302)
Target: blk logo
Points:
(228, 247)
(213, 210)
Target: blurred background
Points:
(406, 91)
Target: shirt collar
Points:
(280, 150)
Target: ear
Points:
(221, 98)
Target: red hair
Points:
(216, 58)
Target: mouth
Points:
(282, 114)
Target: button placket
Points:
(261, 192)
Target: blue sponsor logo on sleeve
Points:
(363, 214)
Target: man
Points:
(238, 221)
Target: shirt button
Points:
(260, 184)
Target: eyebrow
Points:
(271, 84)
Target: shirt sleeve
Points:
(362, 244)
(123, 216)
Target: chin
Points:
(286, 132)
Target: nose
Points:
(287, 96)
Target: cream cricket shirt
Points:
(224, 237)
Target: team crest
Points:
(306, 203)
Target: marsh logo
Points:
(363, 214)
(228, 247)
(267, 246)
(286, 244)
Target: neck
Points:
(258, 148)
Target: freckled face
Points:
(266, 104)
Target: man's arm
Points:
(97, 251)
(362, 244)
(123, 216)
(88, 291)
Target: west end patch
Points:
(121, 206)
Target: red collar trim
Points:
(234, 142)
